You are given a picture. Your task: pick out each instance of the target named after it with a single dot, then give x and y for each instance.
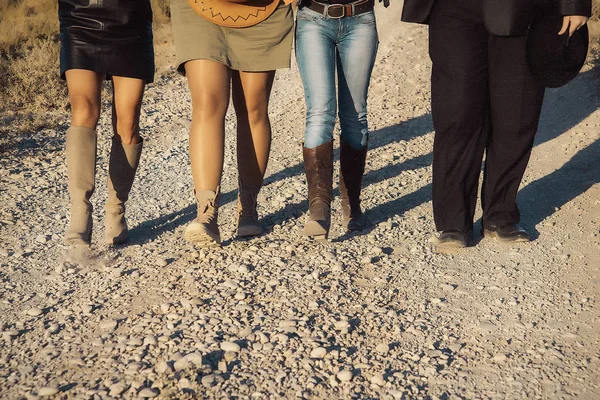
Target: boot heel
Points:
(316, 230)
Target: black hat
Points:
(555, 60)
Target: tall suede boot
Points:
(318, 164)
(204, 230)
(81, 168)
(248, 224)
(352, 169)
(123, 164)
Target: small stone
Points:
(184, 383)
(344, 376)
(447, 287)
(161, 262)
(499, 358)
(343, 324)
(181, 364)
(41, 239)
(230, 346)
(318, 352)
(148, 393)
(230, 355)
(48, 391)
(117, 389)
(86, 308)
(53, 328)
(287, 323)
(240, 296)
(382, 348)
(9, 333)
(163, 367)
(108, 325)
(435, 301)
(208, 381)
(377, 379)
(194, 358)
(150, 341)
(35, 311)
(245, 332)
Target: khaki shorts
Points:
(265, 46)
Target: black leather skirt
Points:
(112, 37)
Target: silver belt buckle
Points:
(334, 6)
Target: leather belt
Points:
(337, 11)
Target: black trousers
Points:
(483, 99)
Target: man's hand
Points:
(571, 23)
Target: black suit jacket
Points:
(503, 17)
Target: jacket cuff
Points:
(575, 7)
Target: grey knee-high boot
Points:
(81, 168)
(123, 164)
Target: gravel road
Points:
(371, 315)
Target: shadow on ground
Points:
(564, 108)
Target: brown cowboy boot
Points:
(318, 164)
(204, 230)
(81, 169)
(352, 168)
(124, 160)
(248, 224)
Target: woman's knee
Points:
(127, 128)
(355, 129)
(205, 108)
(84, 111)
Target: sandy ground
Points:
(371, 315)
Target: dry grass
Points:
(29, 54)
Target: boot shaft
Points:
(318, 164)
(122, 167)
(81, 164)
(352, 169)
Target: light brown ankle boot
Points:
(318, 164)
(123, 164)
(81, 169)
(204, 230)
(248, 224)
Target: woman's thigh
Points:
(251, 92)
(357, 52)
(315, 53)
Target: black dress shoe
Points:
(452, 239)
(509, 233)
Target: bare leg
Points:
(209, 86)
(251, 91)
(127, 102)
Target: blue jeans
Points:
(321, 44)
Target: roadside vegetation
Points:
(29, 54)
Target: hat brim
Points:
(234, 15)
(555, 60)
